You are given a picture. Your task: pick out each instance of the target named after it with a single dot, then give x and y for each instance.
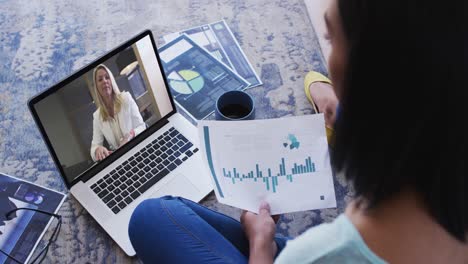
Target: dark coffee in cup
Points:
(235, 105)
(235, 111)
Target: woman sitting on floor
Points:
(400, 136)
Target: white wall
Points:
(151, 68)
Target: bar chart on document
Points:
(282, 161)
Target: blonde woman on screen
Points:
(117, 118)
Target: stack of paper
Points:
(203, 62)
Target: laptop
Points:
(146, 149)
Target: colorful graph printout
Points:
(186, 81)
(195, 77)
(284, 162)
(218, 39)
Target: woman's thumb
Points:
(264, 208)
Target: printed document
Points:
(284, 162)
(195, 77)
(218, 39)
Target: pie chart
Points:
(186, 81)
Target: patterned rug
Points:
(42, 42)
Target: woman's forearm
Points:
(262, 252)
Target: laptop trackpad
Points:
(178, 186)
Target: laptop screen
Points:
(97, 111)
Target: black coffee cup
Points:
(235, 105)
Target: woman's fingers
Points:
(264, 208)
(106, 153)
(102, 153)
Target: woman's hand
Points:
(127, 138)
(260, 231)
(102, 153)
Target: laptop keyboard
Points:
(141, 171)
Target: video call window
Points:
(97, 113)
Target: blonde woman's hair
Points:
(115, 90)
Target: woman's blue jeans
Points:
(177, 230)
